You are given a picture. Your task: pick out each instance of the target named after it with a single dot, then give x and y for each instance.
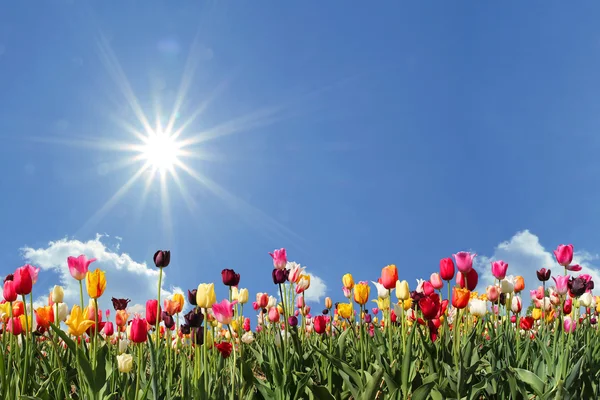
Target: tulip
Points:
(162, 258)
(519, 284)
(109, 329)
(57, 294)
(243, 296)
(14, 326)
(121, 317)
(225, 348)
(78, 266)
(279, 258)
(586, 299)
(9, 292)
(328, 303)
(224, 311)
(344, 310)
(168, 320)
(564, 254)
(460, 297)
(402, 290)
(295, 271)
(543, 274)
(348, 281)
(507, 286)
(273, 314)
(22, 281)
(272, 302)
(95, 282)
(303, 284)
(574, 268)
(139, 330)
(526, 323)
(436, 281)
(562, 283)
(430, 306)
(536, 313)
(170, 306)
(569, 325)
(472, 279)
(44, 316)
(248, 337)
(382, 292)
(191, 295)
(464, 261)
(389, 276)
(280, 276)
(516, 305)
(230, 278)
(77, 323)
(63, 312)
(492, 293)
(577, 286)
(120, 304)
(205, 295)
(446, 269)
(125, 363)
(499, 269)
(151, 311)
(361, 293)
(567, 306)
(477, 307)
(320, 324)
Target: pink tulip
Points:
(347, 292)
(539, 293)
(574, 267)
(78, 266)
(499, 269)
(533, 294)
(33, 271)
(569, 325)
(436, 281)
(279, 258)
(464, 261)
(562, 284)
(554, 298)
(427, 288)
(295, 271)
(492, 293)
(224, 311)
(375, 310)
(300, 302)
(109, 329)
(273, 314)
(564, 254)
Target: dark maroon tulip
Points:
(543, 274)
(162, 258)
(577, 286)
(293, 321)
(9, 277)
(368, 318)
(120, 304)
(194, 319)
(280, 275)
(192, 296)
(230, 278)
(185, 329)
(168, 320)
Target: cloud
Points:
(317, 289)
(126, 278)
(525, 255)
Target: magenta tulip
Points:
(564, 254)
(464, 261)
(562, 284)
(447, 269)
(279, 258)
(78, 266)
(499, 269)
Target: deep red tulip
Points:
(120, 304)
(151, 306)
(139, 330)
(230, 278)
(23, 282)
(320, 324)
(472, 279)
(9, 292)
(526, 323)
(447, 269)
(543, 274)
(430, 306)
(224, 348)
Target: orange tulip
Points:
(44, 316)
(519, 284)
(121, 318)
(170, 306)
(460, 297)
(178, 298)
(95, 282)
(18, 309)
(389, 276)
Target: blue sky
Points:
(353, 135)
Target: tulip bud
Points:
(63, 312)
(58, 294)
(162, 258)
(436, 281)
(243, 296)
(328, 303)
(125, 363)
(348, 281)
(123, 345)
(402, 290)
(292, 321)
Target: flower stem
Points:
(81, 294)
(158, 316)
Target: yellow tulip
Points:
(77, 323)
(536, 313)
(407, 304)
(209, 340)
(178, 298)
(5, 311)
(344, 310)
(234, 293)
(243, 296)
(361, 293)
(95, 282)
(348, 281)
(382, 304)
(205, 296)
(26, 323)
(402, 290)
(125, 363)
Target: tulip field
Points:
(383, 339)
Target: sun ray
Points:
(167, 222)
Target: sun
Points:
(161, 151)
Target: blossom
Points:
(162, 258)
(78, 266)
(464, 261)
(279, 258)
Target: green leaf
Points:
(372, 385)
(422, 393)
(70, 343)
(406, 361)
(321, 392)
(574, 374)
(86, 368)
(531, 379)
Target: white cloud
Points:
(525, 255)
(317, 289)
(126, 278)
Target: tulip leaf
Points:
(574, 373)
(86, 368)
(406, 361)
(372, 385)
(423, 392)
(321, 392)
(70, 343)
(530, 379)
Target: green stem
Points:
(81, 294)
(158, 316)
(95, 341)
(389, 326)
(204, 353)
(139, 372)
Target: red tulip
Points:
(151, 306)
(9, 292)
(430, 306)
(230, 278)
(568, 306)
(23, 282)
(139, 330)
(320, 324)
(389, 276)
(472, 279)
(526, 323)
(109, 329)
(224, 348)
(14, 326)
(447, 269)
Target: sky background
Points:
(354, 135)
